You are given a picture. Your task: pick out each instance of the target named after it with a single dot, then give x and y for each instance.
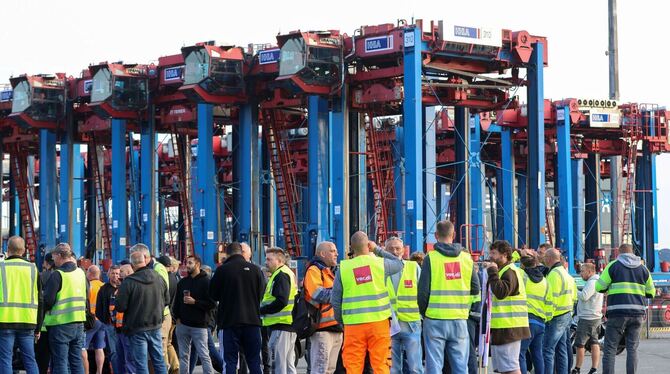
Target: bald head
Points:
(125, 270)
(551, 257)
(16, 246)
(137, 260)
(93, 273)
(359, 243)
(246, 251)
(327, 252)
(625, 248)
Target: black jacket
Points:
(238, 287)
(193, 315)
(142, 297)
(40, 307)
(172, 288)
(102, 303)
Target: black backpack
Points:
(306, 317)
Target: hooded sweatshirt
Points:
(627, 268)
(423, 293)
(142, 297)
(502, 288)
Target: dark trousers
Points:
(42, 355)
(617, 328)
(249, 339)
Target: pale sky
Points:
(66, 36)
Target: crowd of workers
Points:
(373, 312)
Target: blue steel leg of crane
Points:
(536, 172)
(522, 210)
(565, 239)
(339, 176)
(500, 211)
(653, 209)
(247, 140)
(399, 181)
(476, 177)
(459, 188)
(412, 141)
(578, 208)
(205, 222)
(443, 201)
(317, 174)
(64, 186)
(77, 219)
(429, 177)
(119, 195)
(47, 192)
(362, 179)
(14, 212)
(506, 223)
(135, 195)
(147, 183)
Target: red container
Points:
(665, 266)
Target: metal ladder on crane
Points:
(23, 190)
(632, 135)
(100, 198)
(382, 181)
(285, 186)
(184, 186)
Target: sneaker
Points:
(575, 371)
(593, 371)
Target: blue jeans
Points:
(408, 340)
(450, 335)
(555, 335)
(124, 357)
(65, 345)
(111, 342)
(247, 337)
(535, 343)
(26, 343)
(149, 341)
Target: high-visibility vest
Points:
(316, 281)
(284, 316)
(563, 291)
(116, 318)
(18, 302)
(404, 302)
(538, 297)
(94, 288)
(162, 271)
(365, 298)
(511, 311)
(70, 303)
(450, 286)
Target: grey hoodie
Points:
(629, 260)
(445, 249)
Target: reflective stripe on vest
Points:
(284, 316)
(536, 294)
(365, 298)
(511, 311)
(18, 302)
(70, 303)
(450, 279)
(405, 302)
(563, 290)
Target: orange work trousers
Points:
(373, 338)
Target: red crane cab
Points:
(38, 101)
(214, 74)
(120, 90)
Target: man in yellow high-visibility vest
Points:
(403, 288)
(65, 299)
(361, 303)
(276, 308)
(509, 309)
(20, 298)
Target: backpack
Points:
(306, 317)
